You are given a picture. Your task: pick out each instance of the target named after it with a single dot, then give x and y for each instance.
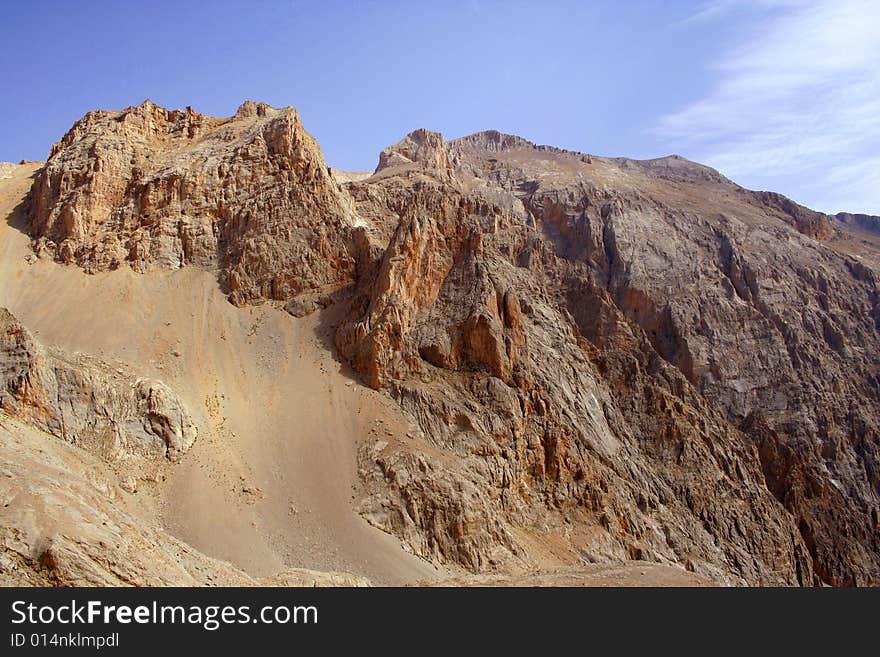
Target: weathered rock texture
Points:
(84, 403)
(640, 356)
(602, 358)
(152, 187)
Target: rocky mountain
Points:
(596, 360)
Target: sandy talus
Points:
(268, 484)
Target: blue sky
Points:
(777, 94)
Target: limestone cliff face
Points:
(467, 320)
(629, 343)
(601, 358)
(250, 195)
(83, 402)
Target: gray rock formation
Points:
(641, 346)
(84, 403)
(865, 222)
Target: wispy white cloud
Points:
(796, 101)
(715, 9)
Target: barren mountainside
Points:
(589, 360)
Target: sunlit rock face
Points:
(249, 195)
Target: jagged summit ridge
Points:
(249, 195)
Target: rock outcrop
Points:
(250, 195)
(83, 402)
(866, 222)
(420, 148)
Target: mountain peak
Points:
(422, 147)
(492, 141)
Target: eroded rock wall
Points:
(85, 403)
